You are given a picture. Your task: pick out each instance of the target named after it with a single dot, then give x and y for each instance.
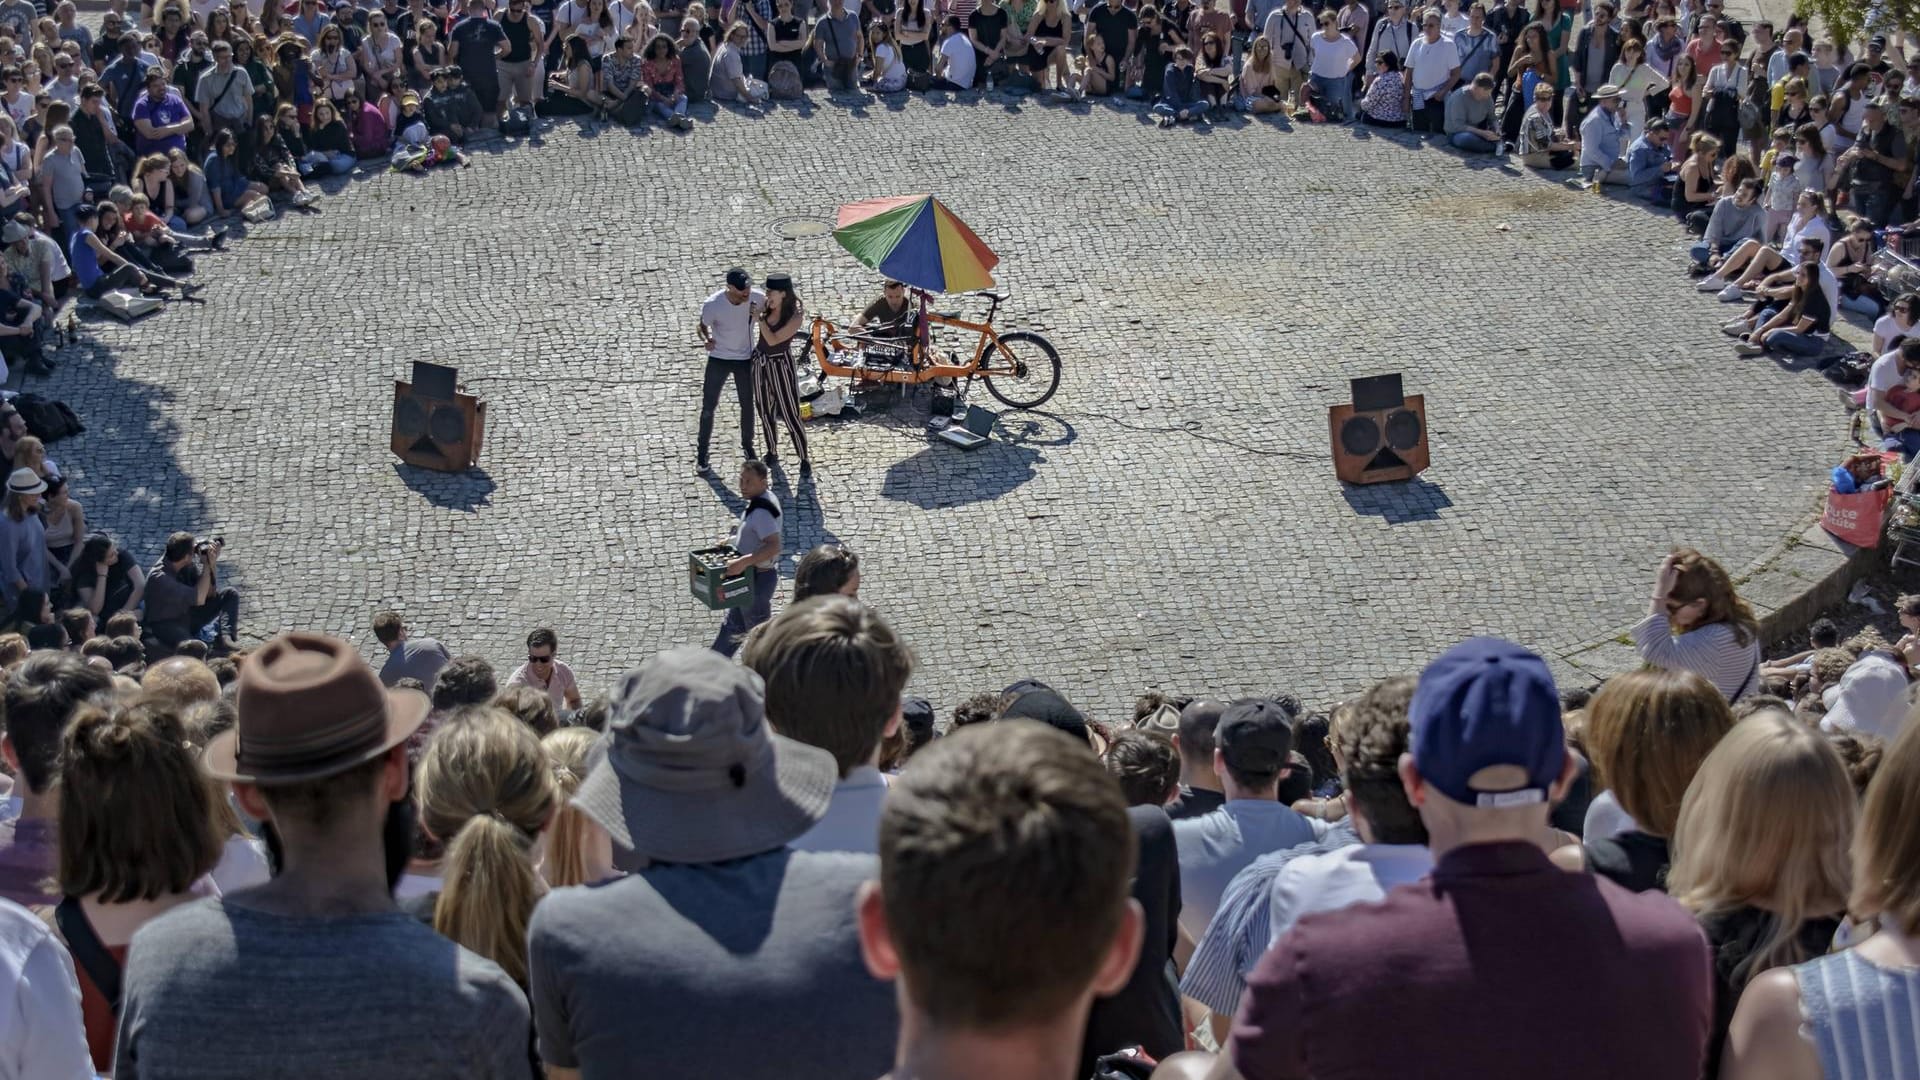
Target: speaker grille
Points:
(448, 425)
(1403, 429)
(409, 418)
(1360, 436)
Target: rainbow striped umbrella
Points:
(916, 239)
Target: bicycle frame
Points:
(921, 365)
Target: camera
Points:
(200, 546)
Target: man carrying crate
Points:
(757, 538)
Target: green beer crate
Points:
(706, 570)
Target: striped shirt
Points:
(1711, 651)
(1242, 925)
(1862, 1016)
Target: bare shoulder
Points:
(1765, 1041)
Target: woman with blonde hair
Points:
(486, 790)
(578, 849)
(1696, 622)
(1849, 1014)
(1647, 731)
(1760, 854)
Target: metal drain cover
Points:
(802, 228)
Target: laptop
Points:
(971, 434)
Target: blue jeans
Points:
(1333, 94)
(1700, 252)
(1860, 305)
(742, 619)
(1468, 141)
(1798, 344)
(668, 112)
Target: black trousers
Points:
(718, 372)
(222, 607)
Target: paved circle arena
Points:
(1170, 519)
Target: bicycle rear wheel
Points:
(1035, 375)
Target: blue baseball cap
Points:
(1487, 703)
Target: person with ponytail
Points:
(486, 791)
(578, 850)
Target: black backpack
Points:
(49, 421)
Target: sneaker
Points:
(1735, 328)
(1730, 295)
(306, 197)
(1748, 348)
(1712, 283)
(701, 468)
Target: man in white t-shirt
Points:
(727, 331)
(1433, 66)
(1890, 373)
(955, 68)
(41, 1033)
(1367, 740)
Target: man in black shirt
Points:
(520, 68)
(477, 43)
(183, 597)
(1117, 27)
(99, 141)
(988, 32)
(1200, 791)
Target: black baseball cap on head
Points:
(738, 279)
(1045, 704)
(916, 715)
(1255, 736)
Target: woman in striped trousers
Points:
(776, 390)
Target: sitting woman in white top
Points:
(1749, 265)
(1697, 623)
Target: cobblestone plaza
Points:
(1170, 519)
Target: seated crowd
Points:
(274, 864)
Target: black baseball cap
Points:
(1255, 736)
(738, 279)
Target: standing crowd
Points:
(286, 863)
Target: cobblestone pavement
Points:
(1170, 520)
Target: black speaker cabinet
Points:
(1380, 435)
(435, 426)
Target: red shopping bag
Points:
(1857, 518)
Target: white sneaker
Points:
(1730, 295)
(1735, 328)
(1712, 283)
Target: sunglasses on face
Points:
(531, 659)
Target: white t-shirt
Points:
(1338, 879)
(1332, 58)
(1429, 63)
(1452, 24)
(732, 324)
(1887, 329)
(893, 71)
(1884, 376)
(960, 63)
(1605, 819)
(41, 1033)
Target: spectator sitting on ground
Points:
(578, 850)
(136, 841)
(408, 657)
(1760, 854)
(985, 818)
(464, 680)
(1829, 1016)
(319, 953)
(1251, 745)
(695, 784)
(1540, 145)
(42, 696)
(1647, 732)
(1147, 767)
(1871, 698)
(1696, 622)
(1469, 116)
(1797, 324)
(545, 671)
(183, 597)
(833, 672)
(1755, 267)
(529, 706)
(1735, 220)
(179, 682)
(1487, 758)
(1823, 634)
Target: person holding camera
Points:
(1290, 29)
(184, 597)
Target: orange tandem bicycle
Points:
(1021, 369)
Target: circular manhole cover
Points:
(802, 228)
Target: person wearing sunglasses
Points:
(546, 672)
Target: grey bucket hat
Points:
(693, 774)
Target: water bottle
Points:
(989, 82)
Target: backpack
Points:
(49, 421)
(783, 81)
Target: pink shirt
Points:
(556, 686)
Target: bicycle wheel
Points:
(1036, 370)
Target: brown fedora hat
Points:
(309, 708)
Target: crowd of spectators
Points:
(282, 861)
